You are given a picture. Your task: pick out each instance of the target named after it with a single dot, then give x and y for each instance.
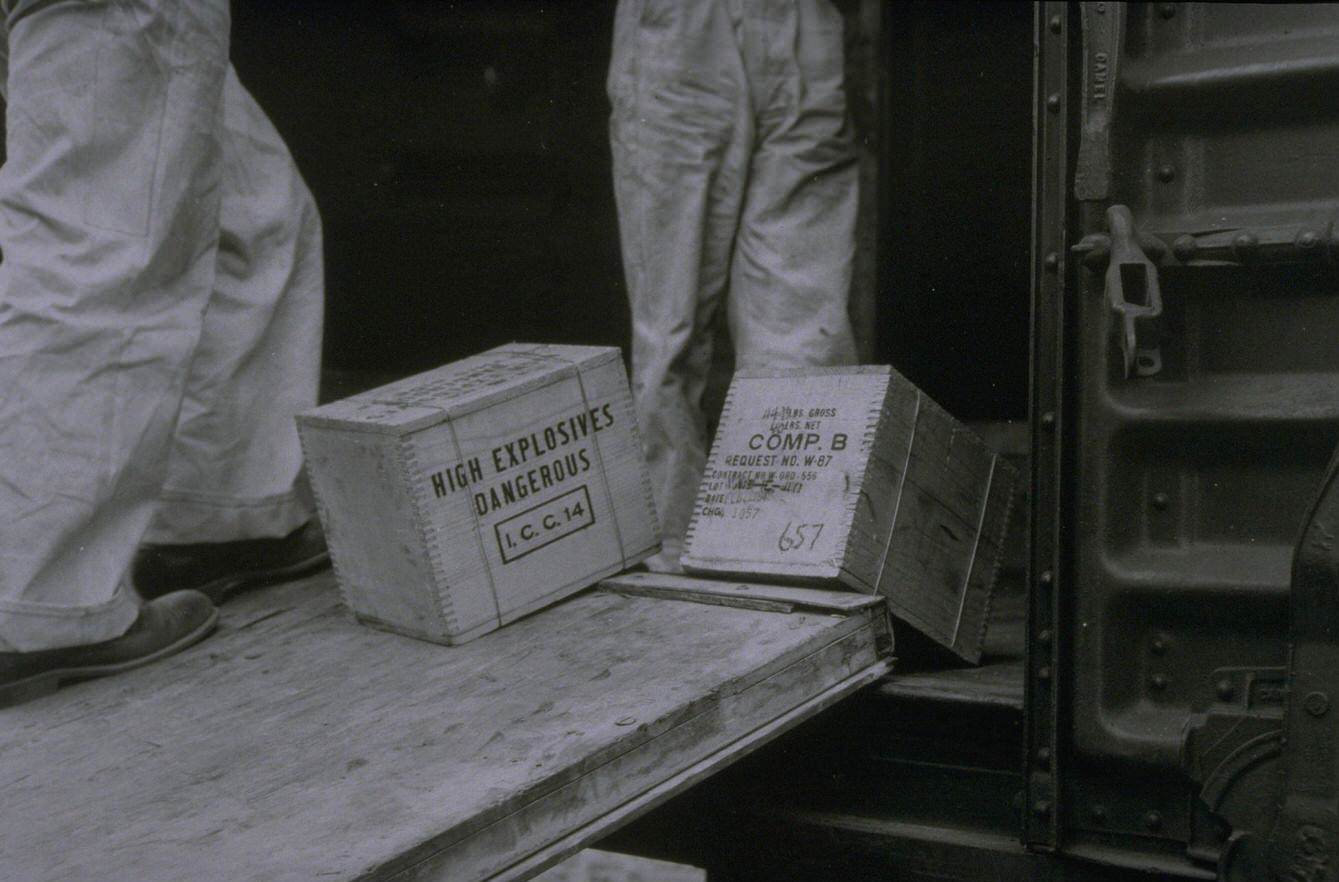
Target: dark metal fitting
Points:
(1095, 249)
(1055, 24)
(1133, 294)
(1052, 262)
(1225, 690)
(1048, 419)
(1166, 174)
(1185, 247)
(1053, 102)
(1316, 704)
(1044, 673)
(1153, 820)
(1161, 501)
(1245, 245)
(1047, 577)
(1154, 247)
(1044, 757)
(1307, 240)
(1044, 636)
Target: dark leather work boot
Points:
(221, 569)
(164, 627)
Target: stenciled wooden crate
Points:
(462, 498)
(854, 475)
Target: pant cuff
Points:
(183, 519)
(29, 627)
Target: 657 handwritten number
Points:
(799, 537)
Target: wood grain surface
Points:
(295, 744)
(854, 476)
(465, 497)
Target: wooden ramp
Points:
(296, 744)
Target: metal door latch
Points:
(1134, 296)
(1132, 289)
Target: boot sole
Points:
(225, 588)
(48, 682)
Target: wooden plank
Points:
(999, 684)
(717, 590)
(697, 773)
(594, 865)
(465, 497)
(296, 745)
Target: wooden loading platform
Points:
(297, 744)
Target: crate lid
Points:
(455, 389)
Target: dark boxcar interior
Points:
(460, 156)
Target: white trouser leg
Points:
(235, 459)
(733, 169)
(109, 204)
(791, 275)
(681, 132)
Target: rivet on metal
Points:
(1044, 757)
(1052, 262)
(1159, 644)
(1099, 813)
(1160, 501)
(1041, 808)
(1158, 681)
(1245, 244)
(1048, 419)
(1044, 673)
(1055, 24)
(1053, 102)
(1316, 704)
(1044, 636)
(1308, 239)
(1153, 820)
(1185, 247)
(1167, 10)
(1166, 174)
(1225, 690)
(1046, 578)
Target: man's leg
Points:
(791, 275)
(680, 132)
(108, 223)
(234, 474)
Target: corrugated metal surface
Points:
(1187, 484)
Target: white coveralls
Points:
(735, 176)
(160, 308)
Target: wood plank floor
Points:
(297, 744)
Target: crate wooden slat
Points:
(853, 475)
(296, 745)
(460, 499)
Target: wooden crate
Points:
(460, 499)
(853, 475)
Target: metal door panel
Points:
(1180, 491)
